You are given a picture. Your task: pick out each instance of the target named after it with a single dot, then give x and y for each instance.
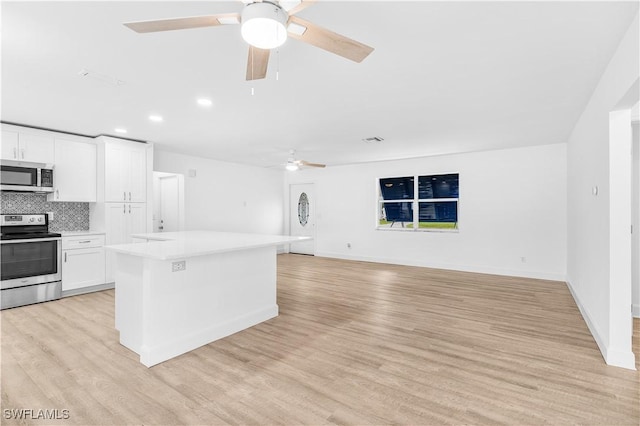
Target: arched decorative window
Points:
(303, 209)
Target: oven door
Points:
(31, 261)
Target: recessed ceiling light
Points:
(156, 118)
(120, 130)
(205, 102)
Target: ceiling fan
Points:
(293, 164)
(264, 26)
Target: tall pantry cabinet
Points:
(124, 189)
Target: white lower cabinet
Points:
(122, 220)
(83, 261)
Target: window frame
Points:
(415, 204)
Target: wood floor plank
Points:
(355, 343)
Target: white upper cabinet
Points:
(29, 145)
(125, 171)
(75, 171)
(9, 145)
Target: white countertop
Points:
(180, 245)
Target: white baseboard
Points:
(150, 356)
(452, 267)
(635, 308)
(90, 289)
(611, 356)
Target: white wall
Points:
(590, 226)
(226, 196)
(635, 212)
(512, 205)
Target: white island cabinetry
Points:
(181, 290)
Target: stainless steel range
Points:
(31, 261)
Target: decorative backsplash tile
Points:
(66, 216)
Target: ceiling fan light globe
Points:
(263, 25)
(292, 167)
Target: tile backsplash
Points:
(66, 216)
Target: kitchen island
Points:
(177, 291)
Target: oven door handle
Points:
(31, 240)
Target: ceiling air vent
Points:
(374, 139)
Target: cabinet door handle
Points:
(22, 154)
(129, 208)
(124, 208)
(65, 257)
(129, 195)
(15, 152)
(57, 195)
(124, 196)
(83, 242)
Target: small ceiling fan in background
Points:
(293, 164)
(264, 26)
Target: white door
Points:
(302, 217)
(169, 199)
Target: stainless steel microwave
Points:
(25, 176)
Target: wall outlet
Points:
(178, 266)
(523, 259)
(348, 245)
(50, 214)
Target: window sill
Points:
(446, 231)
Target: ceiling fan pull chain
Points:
(277, 64)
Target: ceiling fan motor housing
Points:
(264, 25)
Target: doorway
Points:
(302, 213)
(168, 202)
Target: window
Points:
(427, 202)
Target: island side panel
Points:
(129, 300)
(213, 297)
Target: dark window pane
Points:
(400, 188)
(397, 212)
(445, 211)
(438, 186)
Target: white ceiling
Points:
(445, 77)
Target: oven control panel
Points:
(22, 219)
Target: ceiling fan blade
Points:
(184, 23)
(308, 164)
(257, 63)
(328, 40)
(292, 8)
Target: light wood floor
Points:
(355, 343)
